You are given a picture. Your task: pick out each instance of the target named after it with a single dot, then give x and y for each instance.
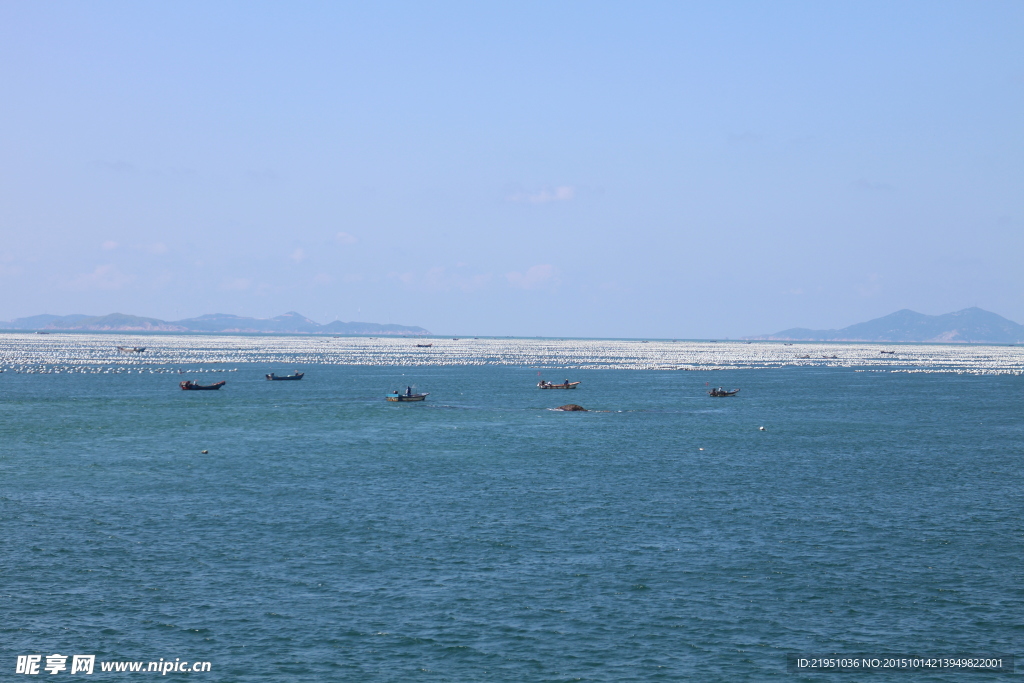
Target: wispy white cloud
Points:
(323, 279)
(562, 193)
(406, 278)
(345, 238)
(535, 277)
(109, 245)
(443, 279)
(871, 286)
(105, 277)
(440, 278)
(298, 256)
(237, 284)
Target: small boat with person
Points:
(544, 384)
(723, 392)
(189, 385)
(277, 378)
(407, 397)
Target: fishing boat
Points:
(423, 346)
(189, 385)
(406, 397)
(722, 392)
(275, 378)
(131, 349)
(564, 385)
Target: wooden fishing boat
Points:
(564, 385)
(405, 398)
(722, 392)
(189, 385)
(275, 378)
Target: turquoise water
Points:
(329, 535)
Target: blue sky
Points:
(587, 169)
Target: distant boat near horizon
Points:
(189, 385)
(396, 397)
(564, 385)
(277, 378)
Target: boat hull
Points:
(570, 385)
(405, 398)
(274, 378)
(192, 386)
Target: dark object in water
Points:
(571, 408)
(131, 349)
(274, 378)
(423, 346)
(564, 385)
(189, 385)
(396, 397)
(722, 392)
(891, 353)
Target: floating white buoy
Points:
(204, 452)
(762, 429)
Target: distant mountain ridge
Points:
(971, 325)
(289, 323)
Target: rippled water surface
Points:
(328, 535)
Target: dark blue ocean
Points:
(330, 536)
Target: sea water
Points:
(328, 535)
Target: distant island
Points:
(971, 325)
(289, 323)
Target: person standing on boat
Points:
(408, 391)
